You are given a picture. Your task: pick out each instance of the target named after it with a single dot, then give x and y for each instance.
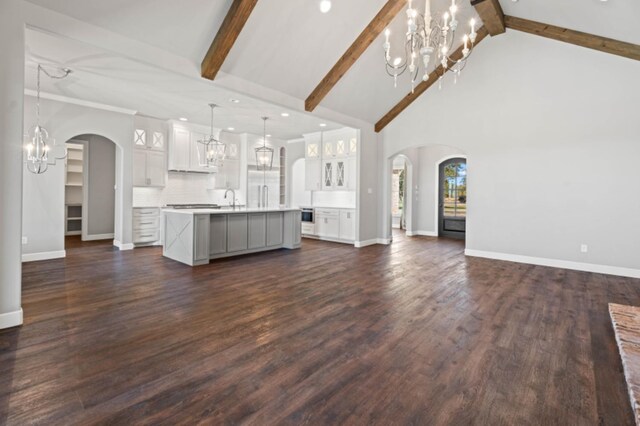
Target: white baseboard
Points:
(45, 255)
(11, 319)
(360, 244)
(96, 237)
(122, 246)
(422, 233)
(555, 263)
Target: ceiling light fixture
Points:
(325, 6)
(323, 124)
(425, 37)
(182, 119)
(42, 151)
(264, 153)
(211, 151)
(234, 101)
(231, 129)
(285, 114)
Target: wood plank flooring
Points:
(412, 333)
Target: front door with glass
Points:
(452, 214)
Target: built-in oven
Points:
(307, 215)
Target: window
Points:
(455, 190)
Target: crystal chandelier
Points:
(211, 151)
(426, 36)
(264, 153)
(42, 151)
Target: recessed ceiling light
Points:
(325, 6)
(323, 124)
(235, 101)
(182, 119)
(285, 114)
(231, 129)
(268, 136)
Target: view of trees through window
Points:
(455, 190)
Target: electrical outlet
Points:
(584, 248)
(25, 240)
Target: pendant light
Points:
(42, 151)
(264, 154)
(211, 151)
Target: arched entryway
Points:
(90, 182)
(400, 194)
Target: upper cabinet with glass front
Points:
(149, 133)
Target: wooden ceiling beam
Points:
(491, 14)
(590, 41)
(229, 31)
(364, 40)
(423, 86)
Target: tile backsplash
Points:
(183, 188)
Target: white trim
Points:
(11, 319)
(95, 237)
(360, 244)
(422, 233)
(122, 246)
(556, 263)
(81, 102)
(45, 255)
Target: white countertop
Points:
(328, 207)
(229, 210)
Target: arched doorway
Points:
(90, 182)
(452, 198)
(400, 194)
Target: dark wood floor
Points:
(412, 333)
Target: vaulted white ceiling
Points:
(617, 19)
(110, 79)
(288, 46)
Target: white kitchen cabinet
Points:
(146, 225)
(148, 168)
(348, 225)
(149, 133)
(328, 223)
(179, 149)
(335, 174)
(313, 174)
(327, 175)
(353, 147)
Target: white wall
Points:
(101, 178)
(11, 155)
(552, 136)
(43, 200)
(430, 158)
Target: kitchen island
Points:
(195, 236)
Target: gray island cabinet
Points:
(195, 236)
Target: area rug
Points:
(626, 323)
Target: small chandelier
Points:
(426, 35)
(211, 151)
(264, 153)
(42, 151)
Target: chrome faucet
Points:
(233, 203)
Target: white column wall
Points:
(11, 160)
